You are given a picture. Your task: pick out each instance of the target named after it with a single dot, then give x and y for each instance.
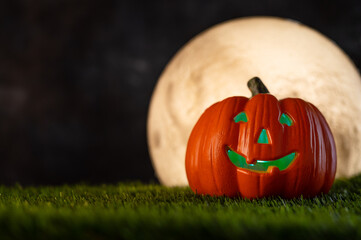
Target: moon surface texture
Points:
(292, 60)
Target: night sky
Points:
(76, 77)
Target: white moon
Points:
(292, 59)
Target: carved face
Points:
(263, 138)
(261, 147)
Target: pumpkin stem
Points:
(256, 86)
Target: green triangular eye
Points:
(263, 138)
(241, 117)
(285, 119)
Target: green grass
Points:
(137, 211)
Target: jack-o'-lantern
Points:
(261, 147)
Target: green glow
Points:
(260, 165)
(241, 117)
(285, 119)
(263, 138)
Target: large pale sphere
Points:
(292, 59)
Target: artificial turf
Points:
(138, 211)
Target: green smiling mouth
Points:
(260, 165)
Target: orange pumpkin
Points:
(261, 147)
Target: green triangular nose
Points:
(263, 138)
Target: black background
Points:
(76, 77)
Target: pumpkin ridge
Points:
(320, 152)
(215, 147)
(330, 166)
(302, 132)
(328, 142)
(199, 130)
(208, 129)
